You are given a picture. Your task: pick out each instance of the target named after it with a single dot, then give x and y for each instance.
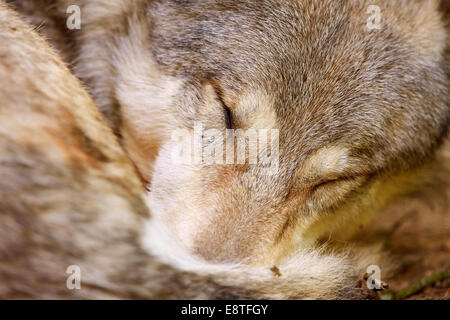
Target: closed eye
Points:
(333, 192)
(228, 115)
(323, 183)
(331, 181)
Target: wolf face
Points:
(346, 116)
(356, 109)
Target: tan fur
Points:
(68, 193)
(361, 114)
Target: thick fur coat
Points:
(361, 115)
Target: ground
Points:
(416, 232)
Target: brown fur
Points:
(376, 98)
(68, 193)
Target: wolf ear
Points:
(146, 96)
(134, 94)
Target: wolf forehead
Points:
(287, 38)
(326, 76)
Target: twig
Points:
(417, 286)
